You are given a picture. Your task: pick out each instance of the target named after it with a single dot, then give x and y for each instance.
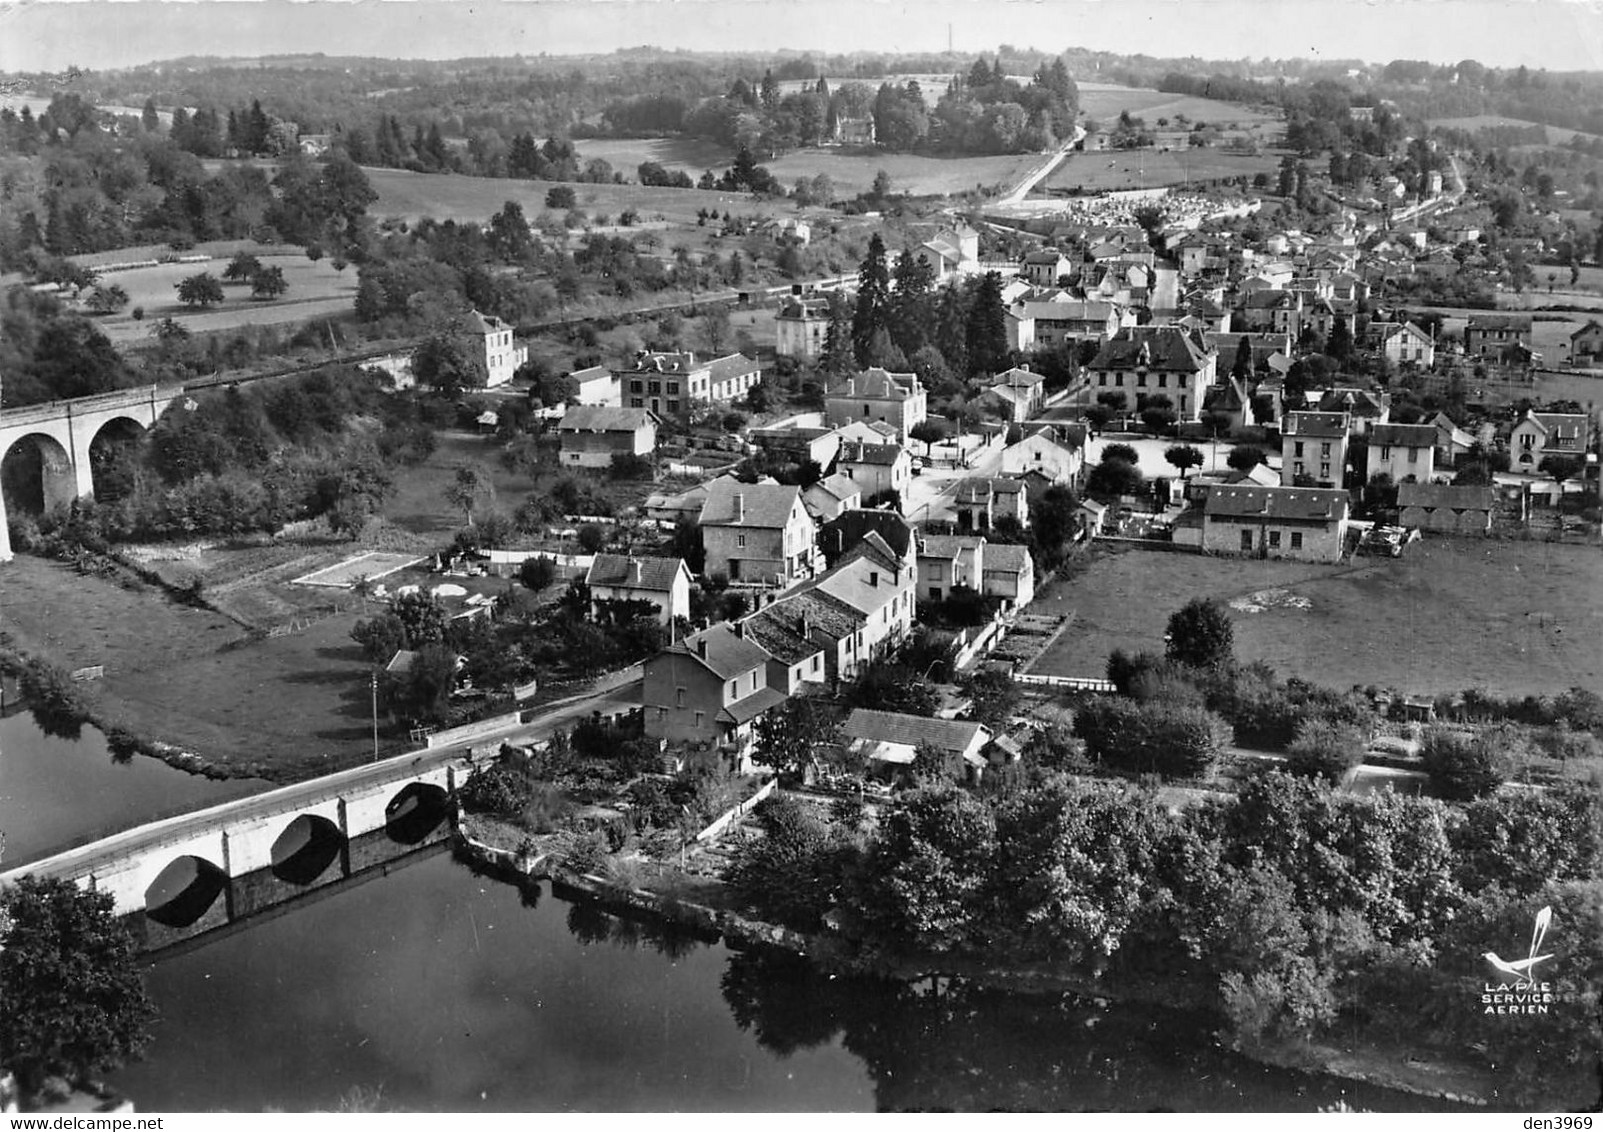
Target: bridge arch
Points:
(416, 811)
(37, 473)
(307, 847)
(184, 891)
(113, 437)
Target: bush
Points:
(1461, 767)
(1175, 741)
(591, 538)
(537, 572)
(1325, 749)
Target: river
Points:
(430, 987)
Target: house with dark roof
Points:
(830, 624)
(983, 501)
(820, 445)
(1009, 573)
(1038, 319)
(1402, 344)
(1587, 342)
(795, 659)
(1452, 442)
(1263, 346)
(851, 526)
(1154, 360)
(1309, 523)
(1020, 392)
(1313, 448)
(590, 436)
(876, 394)
(1045, 267)
(878, 585)
(831, 495)
(1230, 401)
(1492, 333)
(1461, 510)
(1536, 436)
(664, 582)
(711, 687)
(802, 324)
(1363, 407)
(947, 562)
(501, 356)
(893, 739)
(671, 381)
(876, 468)
(757, 532)
(1405, 452)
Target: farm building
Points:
(1461, 510)
(1309, 523)
(590, 435)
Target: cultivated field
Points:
(1510, 617)
(1556, 135)
(1105, 170)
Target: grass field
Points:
(1556, 135)
(1104, 102)
(315, 289)
(1508, 617)
(1104, 170)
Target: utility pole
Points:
(373, 683)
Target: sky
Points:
(97, 34)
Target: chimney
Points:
(701, 647)
(851, 387)
(740, 629)
(634, 571)
(740, 507)
(806, 626)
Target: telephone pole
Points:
(373, 683)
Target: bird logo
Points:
(1523, 969)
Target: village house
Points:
(1162, 360)
(802, 326)
(1008, 573)
(876, 468)
(1265, 346)
(850, 527)
(1229, 400)
(1046, 268)
(982, 502)
(897, 399)
(710, 687)
(946, 562)
(1491, 333)
(1313, 448)
(794, 658)
(663, 582)
(1021, 393)
(1402, 344)
(755, 532)
(878, 586)
(672, 382)
(893, 740)
(1587, 342)
(835, 493)
(1039, 322)
(501, 357)
(1538, 435)
(1308, 523)
(1055, 452)
(597, 386)
(590, 436)
(1406, 453)
(1452, 442)
(951, 251)
(800, 444)
(1466, 509)
(834, 627)
(1364, 407)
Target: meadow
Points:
(1556, 135)
(1105, 101)
(1513, 618)
(1108, 170)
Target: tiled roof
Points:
(634, 573)
(1008, 556)
(877, 383)
(590, 373)
(731, 503)
(1567, 426)
(839, 486)
(779, 635)
(1478, 497)
(850, 527)
(747, 709)
(599, 418)
(1354, 402)
(1403, 435)
(825, 613)
(727, 655)
(947, 547)
(856, 452)
(911, 730)
(863, 583)
(804, 308)
(1167, 348)
(1318, 425)
(1017, 379)
(1499, 322)
(1317, 503)
(732, 365)
(981, 489)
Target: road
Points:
(931, 494)
(1022, 189)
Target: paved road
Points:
(1022, 189)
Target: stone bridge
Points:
(62, 433)
(179, 877)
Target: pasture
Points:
(1105, 101)
(1513, 618)
(1107, 170)
(852, 170)
(1556, 135)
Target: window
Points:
(1246, 539)
(740, 542)
(1297, 468)
(1324, 470)
(673, 406)
(1163, 381)
(1101, 379)
(815, 662)
(734, 686)
(1413, 455)
(1385, 451)
(1296, 540)
(865, 410)
(1324, 449)
(1274, 540)
(673, 387)
(700, 716)
(637, 387)
(637, 402)
(1296, 449)
(1141, 379)
(679, 697)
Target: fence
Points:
(721, 823)
(301, 624)
(1076, 683)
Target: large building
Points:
(1313, 449)
(1309, 523)
(1154, 361)
(802, 325)
(672, 382)
(757, 532)
(710, 687)
(501, 357)
(898, 399)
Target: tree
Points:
(1184, 457)
(107, 298)
(561, 198)
(1461, 767)
(71, 1001)
(1121, 451)
(1242, 367)
(986, 332)
(1326, 749)
(241, 268)
(788, 736)
(1201, 635)
(268, 283)
(930, 431)
(1562, 467)
(471, 486)
(1245, 457)
(537, 571)
(200, 290)
(872, 311)
(1115, 477)
(444, 361)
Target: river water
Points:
(430, 987)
